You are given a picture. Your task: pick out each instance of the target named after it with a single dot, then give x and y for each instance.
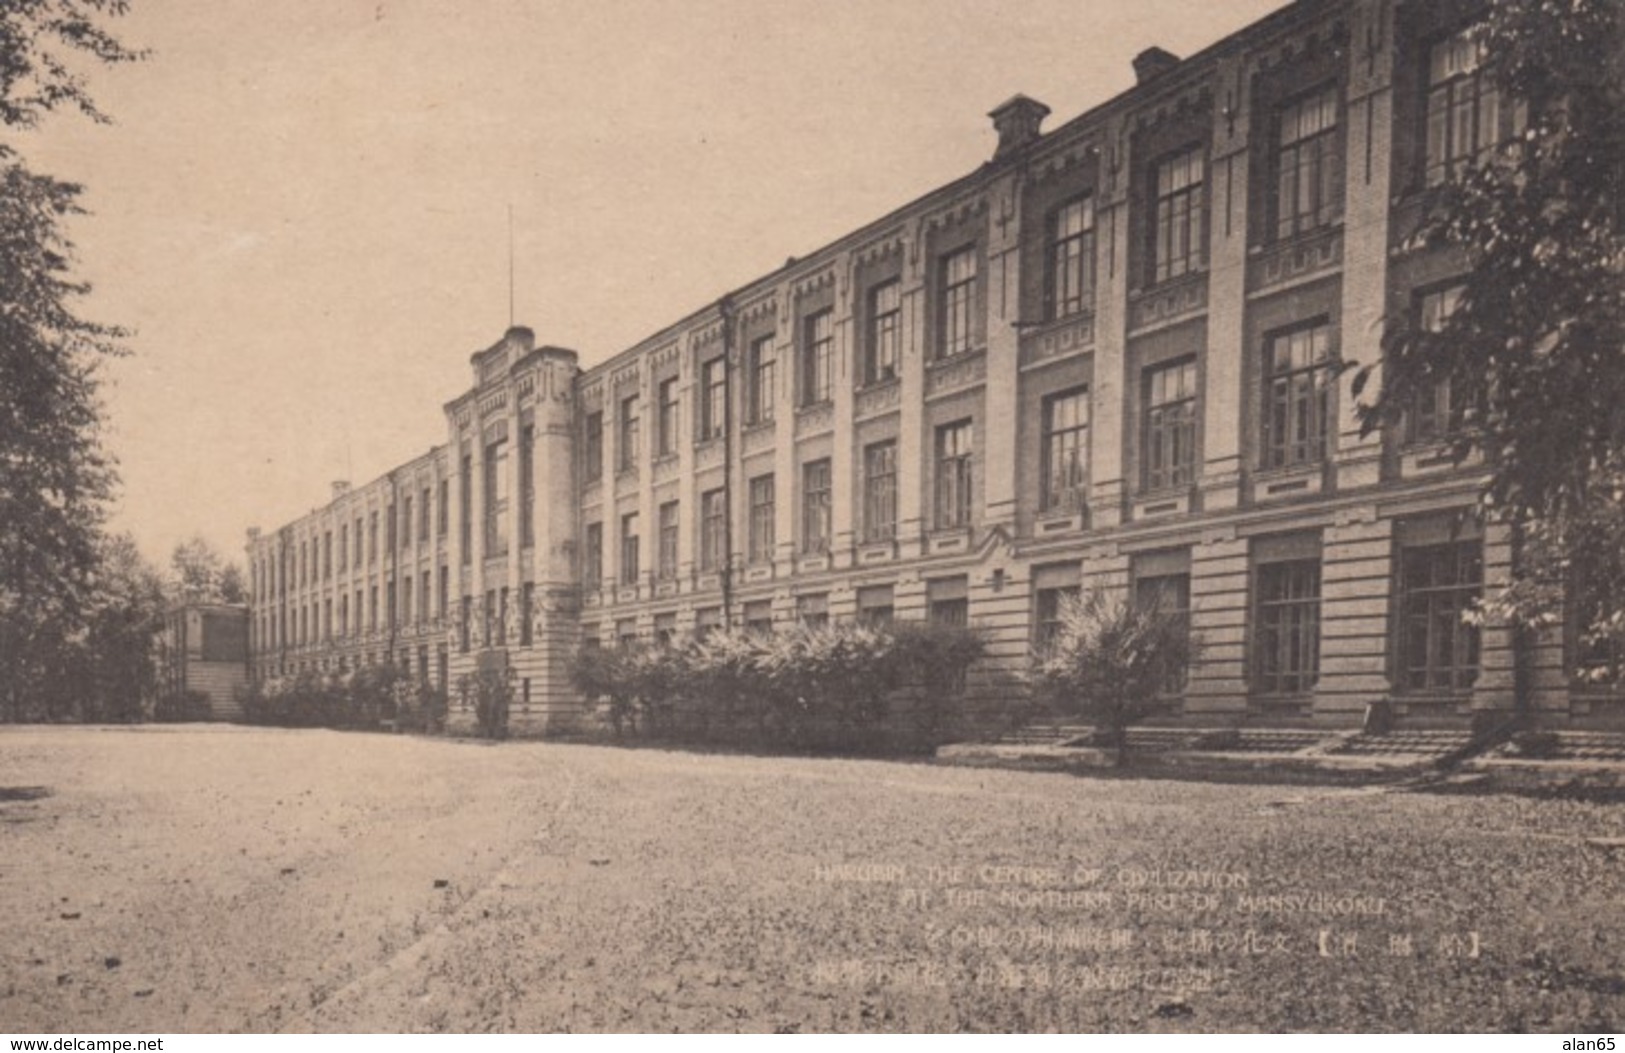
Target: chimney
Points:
(340, 488)
(1153, 62)
(1017, 121)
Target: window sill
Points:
(876, 383)
(751, 427)
(1433, 457)
(1290, 481)
(1173, 500)
(1060, 521)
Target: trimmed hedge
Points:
(846, 686)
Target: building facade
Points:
(203, 651)
(1110, 355)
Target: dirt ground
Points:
(211, 878)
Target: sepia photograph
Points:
(741, 516)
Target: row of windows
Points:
(1434, 647)
(314, 560)
(320, 622)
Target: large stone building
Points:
(1109, 354)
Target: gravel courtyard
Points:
(216, 878)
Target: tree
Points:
(1533, 353)
(201, 574)
(1111, 661)
(124, 618)
(54, 476)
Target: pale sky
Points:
(302, 206)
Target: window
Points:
(464, 627)
(1438, 583)
(947, 601)
(713, 530)
(758, 616)
(445, 590)
(1162, 582)
(527, 486)
(763, 359)
(592, 556)
(813, 611)
(423, 517)
(391, 543)
(665, 630)
(465, 511)
(815, 506)
(1286, 620)
(406, 521)
(707, 621)
(392, 612)
(761, 519)
(423, 597)
(527, 604)
(818, 356)
(666, 418)
(1170, 425)
(875, 605)
(880, 491)
(1181, 223)
(442, 507)
(885, 331)
(714, 392)
(372, 608)
(406, 599)
(496, 493)
(592, 448)
(958, 277)
(344, 553)
(1297, 395)
(1070, 284)
(488, 616)
(502, 616)
(1309, 165)
(629, 434)
(1463, 108)
(629, 549)
(626, 632)
(344, 615)
(1053, 587)
(666, 555)
(1066, 449)
(953, 479)
(372, 537)
(1436, 411)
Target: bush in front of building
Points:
(1112, 661)
(173, 707)
(491, 693)
(363, 699)
(846, 686)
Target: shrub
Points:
(491, 691)
(1111, 662)
(183, 706)
(1539, 745)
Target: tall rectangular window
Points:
(1170, 425)
(445, 591)
(592, 556)
(1464, 118)
(1297, 395)
(818, 356)
(666, 554)
(423, 516)
(465, 618)
(443, 508)
(885, 331)
(629, 549)
(406, 522)
(947, 601)
(592, 447)
(1054, 586)
(1438, 584)
(953, 478)
(1309, 165)
(527, 604)
(465, 510)
(344, 550)
(1286, 626)
(391, 543)
(666, 419)
(1070, 281)
(630, 437)
(423, 597)
(496, 494)
(815, 506)
(1066, 449)
(957, 288)
(327, 556)
(714, 398)
(813, 611)
(1180, 230)
(372, 538)
(875, 605)
(763, 359)
(880, 491)
(407, 607)
(1162, 582)
(527, 486)
(762, 515)
(713, 532)
(1436, 411)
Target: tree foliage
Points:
(201, 574)
(54, 475)
(1534, 352)
(1112, 661)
